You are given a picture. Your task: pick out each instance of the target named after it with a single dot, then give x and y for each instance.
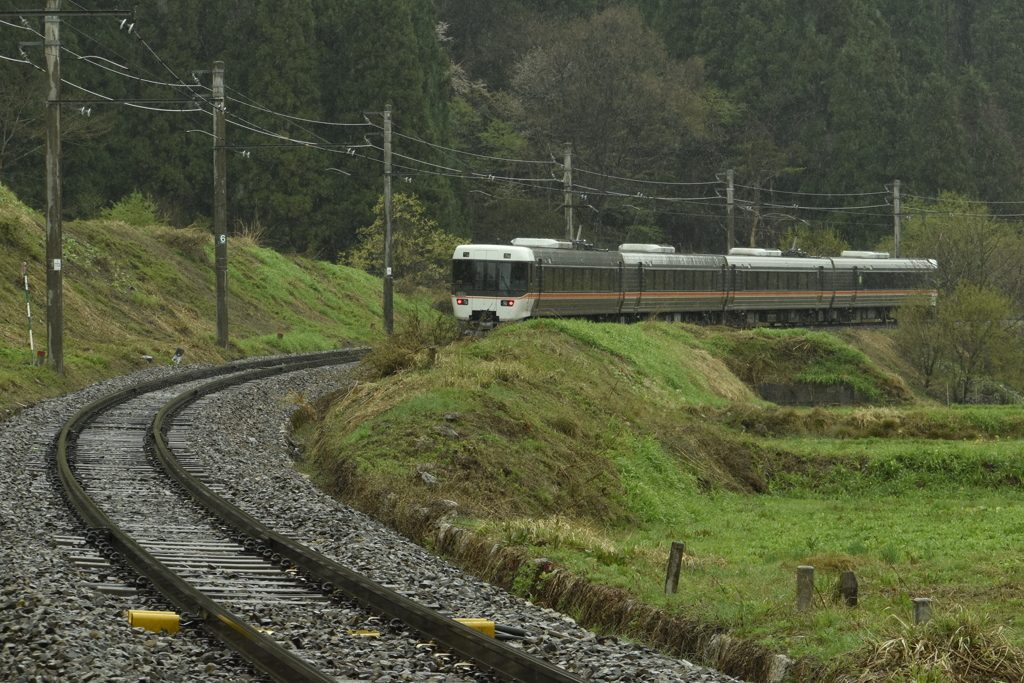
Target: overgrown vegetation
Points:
(595, 446)
(134, 288)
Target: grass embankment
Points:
(596, 446)
(134, 291)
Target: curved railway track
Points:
(124, 463)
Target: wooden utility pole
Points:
(54, 228)
(220, 204)
(730, 225)
(567, 181)
(896, 214)
(54, 177)
(389, 292)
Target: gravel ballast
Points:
(54, 627)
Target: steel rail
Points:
(231, 629)
(487, 653)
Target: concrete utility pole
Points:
(54, 228)
(896, 213)
(567, 181)
(730, 225)
(389, 292)
(220, 204)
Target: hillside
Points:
(135, 291)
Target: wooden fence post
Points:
(675, 558)
(922, 610)
(804, 588)
(848, 588)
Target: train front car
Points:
(492, 283)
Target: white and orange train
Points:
(545, 278)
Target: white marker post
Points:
(28, 308)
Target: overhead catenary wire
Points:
(472, 154)
(969, 201)
(814, 194)
(17, 61)
(295, 118)
(577, 169)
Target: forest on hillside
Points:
(817, 106)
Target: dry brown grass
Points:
(957, 647)
(413, 344)
(190, 241)
(249, 233)
(720, 380)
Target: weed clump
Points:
(414, 344)
(959, 647)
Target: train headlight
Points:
(461, 302)
(508, 302)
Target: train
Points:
(549, 278)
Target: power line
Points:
(647, 182)
(612, 193)
(472, 154)
(294, 118)
(969, 201)
(813, 194)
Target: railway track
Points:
(125, 463)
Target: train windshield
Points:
(494, 278)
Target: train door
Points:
(620, 286)
(856, 284)
(729, 281)
(641, 287)
(538, 287)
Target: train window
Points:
(462, 273)
(519, 276)
(504, 277)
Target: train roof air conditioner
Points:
(748, 251)
(541, 243)
(647, 248)
(865, 254)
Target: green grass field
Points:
(597, 446)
